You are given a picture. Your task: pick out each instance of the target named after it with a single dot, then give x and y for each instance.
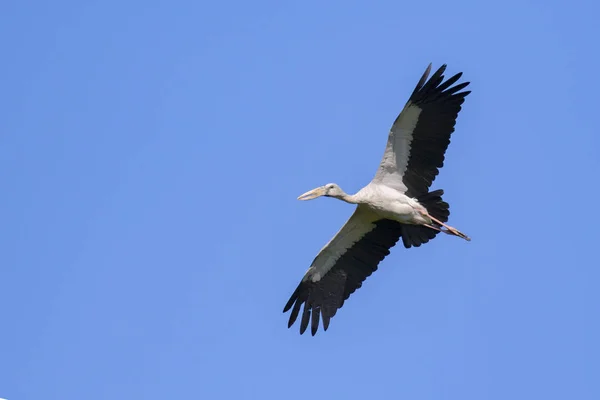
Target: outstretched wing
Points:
(341, 267)
(420, 135)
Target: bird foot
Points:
(450, 230)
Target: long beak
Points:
(312, 194)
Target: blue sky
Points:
(151, 154)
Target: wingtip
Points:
(326, 319)
(292, 300)
(426, 73)
(422, 80)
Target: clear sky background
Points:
(151, 153)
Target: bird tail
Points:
(436, 207)
(440, 210)
(416, 235)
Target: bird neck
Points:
(348, 198)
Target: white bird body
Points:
(389, 203)
(396, 204)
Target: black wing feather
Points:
(328, 294)
(440, 103)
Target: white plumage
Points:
(395, 205)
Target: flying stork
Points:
(396, 204)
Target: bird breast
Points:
(391, 204)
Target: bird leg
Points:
(450, 230)
(435, 228)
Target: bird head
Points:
(329, 190)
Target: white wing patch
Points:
(359, 224)
(403, 134)
(397, 151)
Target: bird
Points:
(396, 204)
